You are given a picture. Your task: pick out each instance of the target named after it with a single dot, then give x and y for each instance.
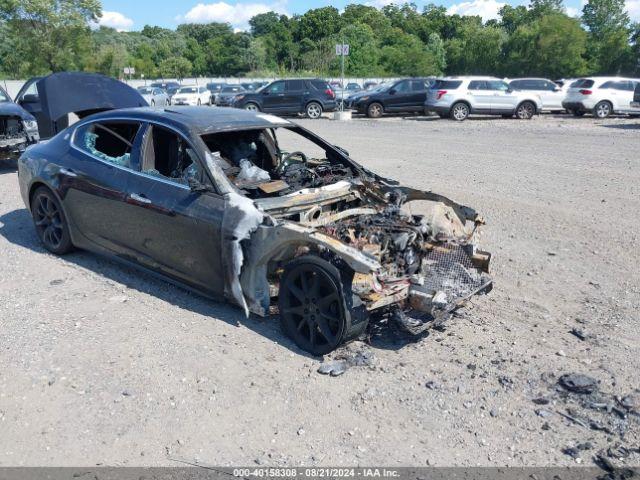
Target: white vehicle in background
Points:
(551, 94)
(600, 96)
(459, 97)
(192, 95)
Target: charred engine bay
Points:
(11, 130)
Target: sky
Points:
(133, 15)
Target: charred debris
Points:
(412, 267)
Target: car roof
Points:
(199, 119)
(470, 77)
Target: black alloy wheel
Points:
(50, 222)
(312, 307)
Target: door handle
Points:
(140, 198)
(68, 172)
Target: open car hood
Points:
(84, 93)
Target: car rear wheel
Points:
(602, 109)
(314, 110)
(525, 111)
(375, 110)
(459, 111)
(313, 310)
(50, 222)
(199, 102)
(252, 107)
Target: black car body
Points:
(211, 200)
(636, 97)
(290, 97)
(403, 96)
(18, 128)
(227, 95)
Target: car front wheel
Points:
(375, 110)
(459, 111)
(50, 222)
(252, 107)
(313, 310)
(314, 110)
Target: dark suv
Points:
(406, 95)
(287, 97)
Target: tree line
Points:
(541, 39)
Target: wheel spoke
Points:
(299, 310)
(312, 334)
(328, 299)
(299, 294)
(325, 331)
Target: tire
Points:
(375, 110)
(317, 309)
(50, 222)
(459, 111)
(167, 102)
(525, 111)
(313, 110)
(153, 103)
(602, 109)
(199, 102)
(252, 107)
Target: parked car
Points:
(351, 99)
(226, 203)
(551, 94)
(215, 88)
(227, 94)
(459, 97)
(171, 91)
(636, 97)
(18, 128)
(311, 96)
(403, 96)
(192, 95)
(155, 96)
(353, 87)
(165, 85)
(369, 85)
(600, 96)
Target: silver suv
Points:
(458, 97)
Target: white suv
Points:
(458, 97)
(601, 96)
(549, 92)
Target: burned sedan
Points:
(18, 128)
(259, 211)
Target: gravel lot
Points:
(102, 364)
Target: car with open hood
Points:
(258, 211)
(18, 128)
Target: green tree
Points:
(51, 35)
(175, 67)
(608, 25)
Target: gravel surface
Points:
(103, 364)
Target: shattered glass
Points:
(90, 144)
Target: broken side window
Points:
(109, 141)
(167, 155)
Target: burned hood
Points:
(84, 93)
(14, 110)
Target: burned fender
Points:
(279, 243)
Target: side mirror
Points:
(30, 98)
(392, 91)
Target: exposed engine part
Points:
(306, 175)
(13, 138)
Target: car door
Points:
(551, 95)
(503, 99)
(481, 96)
(295, 95)
(398, 97)
(94, 181)
(29, 99)
(175, 230)
(273, 97)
